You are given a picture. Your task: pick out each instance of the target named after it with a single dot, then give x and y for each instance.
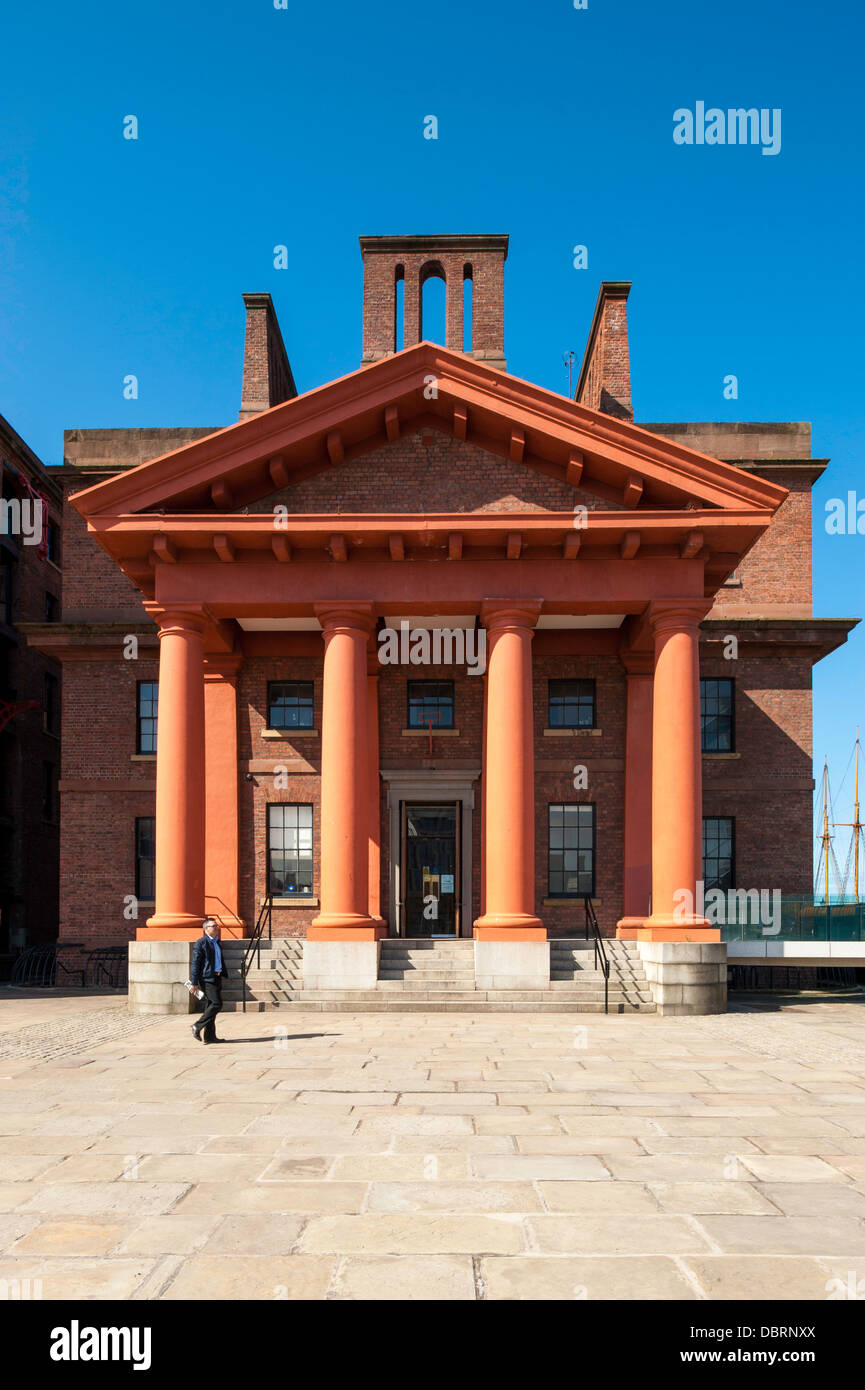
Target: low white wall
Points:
(340, 964)
(686, 977)
(157, 970)
(512, 964)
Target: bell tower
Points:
(409, 261)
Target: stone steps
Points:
(418, 975)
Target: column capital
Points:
(187, 617)
(222, 666)
(638, 663)
(509, 614)
(356, 615)
(677, 614)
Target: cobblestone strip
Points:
(782, 1039)
(74, 1033)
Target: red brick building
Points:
(30, 588)
(451, 497)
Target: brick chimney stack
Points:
(387, 260)
(604, 382)
(267, 378)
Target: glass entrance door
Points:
(430, 870)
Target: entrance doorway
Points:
(430, 870)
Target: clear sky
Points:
(303, 126)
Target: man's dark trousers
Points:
(213, 995)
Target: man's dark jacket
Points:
(203, 962)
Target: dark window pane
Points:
(430, 702)
(716, 716)
(718, 838)
(571, 850)
(145, 858)
(571, 704)
(290, 704)
(289, 828)
(148, 703)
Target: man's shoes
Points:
(195, 1033)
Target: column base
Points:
(669, 926)
(230, 925)
(346, 926)
(509, 926)
(171, 926)
(629, 928)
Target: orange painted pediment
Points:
(436, 395)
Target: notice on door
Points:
(447, 883)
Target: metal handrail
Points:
(265, 915)
(600, 950)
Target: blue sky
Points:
(304, 126)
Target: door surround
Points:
(430, 784)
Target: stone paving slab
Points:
(439, 1157)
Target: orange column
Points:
(508, 787)
(180, 795)
(677, 793)
(221, 864)
(374, 830)
(344, 912)
(638, 793)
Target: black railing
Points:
(106, 965)
(265, 916)
(600, 951)
(37, 967)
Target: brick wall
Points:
(29, 840)
(427, 472)
(453, 259)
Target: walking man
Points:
(208, 972)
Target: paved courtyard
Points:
(434, 1156)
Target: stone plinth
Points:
(340, 964)
(512, 964)
(157, 970)
(686, 977)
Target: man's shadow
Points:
(282, 1037)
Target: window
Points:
(430, 701)
(50, 607)
(145, 858)
(50, 710)
(290, 704)
(718, 856)
(289, 850)
(49, 791)
(572, 704)
(52, 542)
(716, 716)
(148, 703)
(5, 591)
(571, 852)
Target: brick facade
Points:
(30, 592)
(766, 784)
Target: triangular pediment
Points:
(428, 390)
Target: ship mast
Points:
(855, 826)
(826, 835)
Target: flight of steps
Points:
(417, 975)
(273, 982)
(573, 976)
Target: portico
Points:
(219, 546)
